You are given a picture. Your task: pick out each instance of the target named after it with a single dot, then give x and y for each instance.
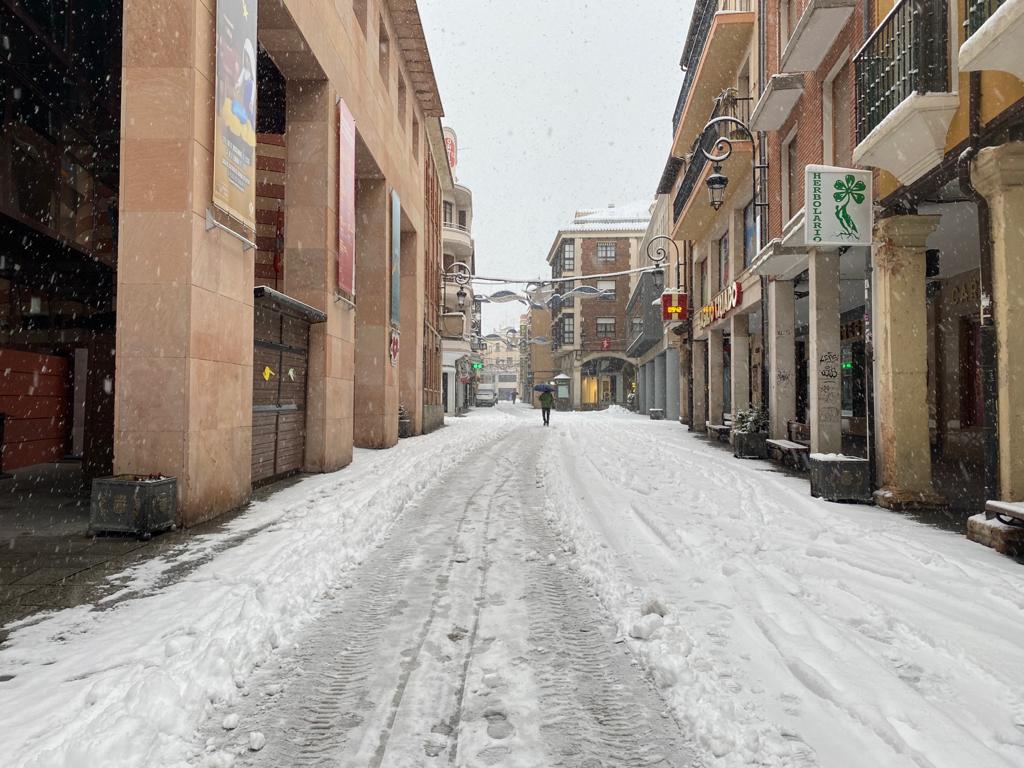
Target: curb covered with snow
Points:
(129, 686)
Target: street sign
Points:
(674, 306)
(477, 366)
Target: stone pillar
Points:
(740, 363)
(698, 381)
(901, 384)
(999, 176)
(782, 356)
(660, 393)
(184, 339)
(716, 378)
(824, 374)
(310, 273)
(685, 384)
(376, 380)
(577, 386)
(410, 367)
(672, 383)
(641, 390)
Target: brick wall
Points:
(596, 307)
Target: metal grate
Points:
(977, 13)
(906, 54)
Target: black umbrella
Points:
(543, 388)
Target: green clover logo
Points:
(847, 191)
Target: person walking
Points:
(515, 394)
(547, 402)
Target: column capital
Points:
(997, 168)
(906, 231)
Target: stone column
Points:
(641, 390)
(685, 384)
(782, 354)
(901, 384)
(413, 292)
(999, 176)
(184, 340)
(310, 273)
(698, 381)
(672, 383)
(716, 378)
(660, 394)
(824, 374)
(577, 385)
(740, 363)
(376, 380)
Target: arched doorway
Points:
(605, 381)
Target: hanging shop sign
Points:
(396, 258)
(346, 200)
(451, 147)
(234, 141)
(674, 306)
(722, 304)
(837, 206)
(606, 344)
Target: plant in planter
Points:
(749, 433)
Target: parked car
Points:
(486, 397)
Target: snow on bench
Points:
(1011, 509)
(798, 452)
(720, 430)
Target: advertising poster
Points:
(837, 206)
(396, 258)
(346, 200)
(234, 150)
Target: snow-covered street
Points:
(609, 591)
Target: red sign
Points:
(346, 200)
(394, 347)
(451, 146)
(674, 306)
(606, 344)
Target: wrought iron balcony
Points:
(906, 54)
(977, 12)
(727, 104)
(645, 305)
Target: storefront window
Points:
(970, 373)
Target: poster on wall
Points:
(234, 141)
(346, 200)
(837, 206)
(396, 258)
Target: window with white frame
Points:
(568, 329)
(789, 164)
(606, 326)
(607, 289)
(449, 212)
(605, 253)
(568, 255)
(638, 326)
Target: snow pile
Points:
(796, 632)
(129, 686)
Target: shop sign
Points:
(606, 344)
(396, 258)
(451, 147)
(674, 306)
(394, 348)
(346, 200)
(837, 206)
(234, 140)
(723, 303)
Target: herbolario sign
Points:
(837, 206)
(722, 304)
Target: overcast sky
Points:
(558, 105)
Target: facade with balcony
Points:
(460, 316)
(589, 333)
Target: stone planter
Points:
(840, 478)
(656, 414)
(133, 504)
(749, 445)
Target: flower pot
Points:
(132, 504)
(749, 445)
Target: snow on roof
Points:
(612, 218)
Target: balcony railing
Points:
(457, 227)
(703, 16)
(726, 104)
(977, 13)
(906, 54)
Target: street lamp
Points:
(460, 274)
(460, 296)
(717, 182)
(720, 152)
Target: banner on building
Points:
(396, 258)
(346, 200)
(234, 140)
(837, 206)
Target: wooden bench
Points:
(720, 431)
(1008, 512)
(796, 453)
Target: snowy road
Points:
(476, 597)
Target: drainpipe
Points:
(762, 230)
(989, 363)
(869, 372)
